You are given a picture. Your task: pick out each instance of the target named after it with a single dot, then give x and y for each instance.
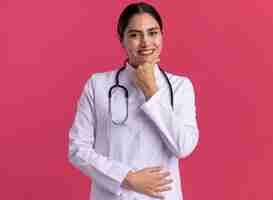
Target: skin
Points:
(150, 181)
(143, 32)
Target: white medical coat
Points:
(154, 134)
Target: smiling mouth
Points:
(146, 52)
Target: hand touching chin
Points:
(147, 59)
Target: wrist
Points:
(127, 182)
(150, 93)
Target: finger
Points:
(150, 62)
(165, 182)
(157, 195)
(155, 169)
(163, 189)
(164, 174)
(138, 73)
(157, 60)
(139, 67)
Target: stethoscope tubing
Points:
(117, 84)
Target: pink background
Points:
(48, 49)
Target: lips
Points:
(145, 52)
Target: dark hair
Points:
(136, 8)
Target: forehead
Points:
(142, 22)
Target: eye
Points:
(133, 35)
(153, 33)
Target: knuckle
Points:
(168, 181)
(167, 173)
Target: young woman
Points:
(134, 123)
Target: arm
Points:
(177, 128)
(106, 172)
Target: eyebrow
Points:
(139, 31)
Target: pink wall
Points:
(48, 49)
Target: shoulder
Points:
(179, 81)
(101, 78)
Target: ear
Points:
(123, 42)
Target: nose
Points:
(144, 40)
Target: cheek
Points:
(158, 43)
(132, 47)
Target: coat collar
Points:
(127, 79)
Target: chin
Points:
(139, 60)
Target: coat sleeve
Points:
(106, 172)
(177, 127)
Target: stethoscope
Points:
(118, 85)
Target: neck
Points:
(134, 66)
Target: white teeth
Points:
(146, 52)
